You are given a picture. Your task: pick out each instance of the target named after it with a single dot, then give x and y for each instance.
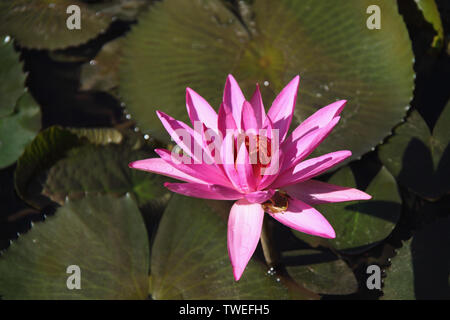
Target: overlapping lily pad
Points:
(12, 78)
(420, 268)
(62, 163)
(41, 24)
(190, 258)
(102, 235)
(18, 129)
(418, 158)
(20, 116)
(102, 73)
(431, 14)
(197, 43)
(360, 224)
(320, 272)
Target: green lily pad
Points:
(62, 163)
(18, 129)
(197, 43)
(12, 78)
(431, 14)
(418, 158)
(101, 73)
(420, 268)
(321, 272)
(102, 235)
(190, 258)
(360, 224)
(41, 24)
(126, 10)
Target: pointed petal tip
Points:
(131, 165)
(237, 273)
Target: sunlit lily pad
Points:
(431, 14)
(197, 43)
(41, 24)
(18, 129)
(190, 258)
(418, 158)
(12, 78)
(360, 224)
(62, 163)
(320, 272)
(102, 235)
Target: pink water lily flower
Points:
(244, 154)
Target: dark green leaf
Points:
(360, 224)
(104, 236)
(197, 43)
(190, 258)
(419, 159)
(321, 272)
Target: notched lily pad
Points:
(18, 129)
(360, 224)
(431, 14)
(41, 24)
(197, 43)
(62, 163)
(103, 236)
(12, 78)
(420, 269)
(190, 258)
(321, 272)
(418, 158)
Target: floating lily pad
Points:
(101, 73)
(420, 268)
(18, 129)
(418, 158)
(190, 258)
(102, 235)
(12, 78)
(126, 10)
(431, 14)
(41, 24)
(62, 163)
(360, 224)
(320, 272)
(197, 43)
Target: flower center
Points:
(278, 203)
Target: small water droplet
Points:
(128, 116)
(92, 62)
(318, 95)
(6, 39)
(136, 129)
(146, 136)
(266, 83)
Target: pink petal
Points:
(225, 120)
(204, 191)
(259, 196)
(244, 169)
(298, 150)
(310, 168)
(159, 166)
(228, 161)
(318, 120)
(258, 107)
(317, 192)
(184, 136)
(249, 121)
(233, 97)
(270, 173)
(283, 106)
(304, 218)
(244, 229)
(200, 110)
(204, 172)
